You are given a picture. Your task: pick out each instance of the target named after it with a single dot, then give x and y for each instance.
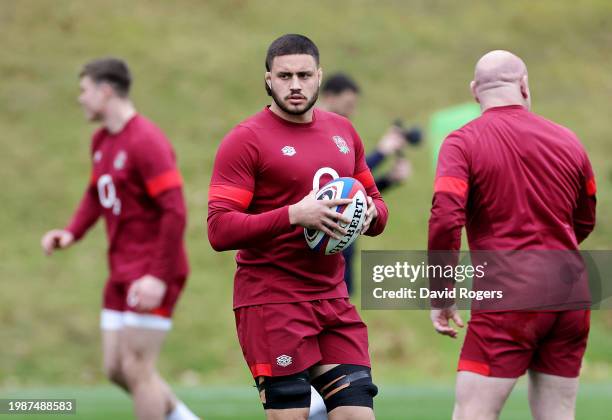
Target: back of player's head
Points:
(113, 71)
(290, 44)
(338, 83)
(501, 77)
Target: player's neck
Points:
(499, 101)
(304, 118)
(120, 114)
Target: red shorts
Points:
(117, 312)
(287, 338)
(507, 344)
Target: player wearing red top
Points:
(517, 182)
(293, 316)
(136, 187)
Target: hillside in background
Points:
(198, 69)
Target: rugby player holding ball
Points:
(294, 320)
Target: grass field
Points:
(415, 402)
(198, 70)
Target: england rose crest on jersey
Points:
(341, 143)
(120, 159)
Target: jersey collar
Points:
(291, 123)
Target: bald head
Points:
(500, 78)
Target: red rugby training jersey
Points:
(516, 181)
(136, 186)
(262, 166)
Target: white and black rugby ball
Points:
(356, 211)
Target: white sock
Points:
(317, 406)
(181, 412)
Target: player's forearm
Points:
(380, 221)
(85, 216)
(232, 229)
(447, 255)
(445, 223)
(172, 228)
(443, 235)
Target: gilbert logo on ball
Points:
(356, 211)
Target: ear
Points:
(268, 83)
(320, 72)
(107, 90)
(524, 87)
(473, 90)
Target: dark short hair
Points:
(113, 71)
(291, 44)
(338, 83)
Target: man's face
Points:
(294, 82)
(93, 98)
(343, 103)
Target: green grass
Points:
(198, 70)
(415, 402)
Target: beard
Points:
(94, 116)
(294, 111)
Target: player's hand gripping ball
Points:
(345, 187)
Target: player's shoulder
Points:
(564, 131)
(480, 127)
(328, 117)
(563, 135)
(341, 126)
(145, 133)
(145, 127)
(465, 134)
(240, 141)
(462, 139)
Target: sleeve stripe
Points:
(229, 193)
(366, 178)
(165, 181)
(451, 184)
(591, 187)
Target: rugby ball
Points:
(356, 211)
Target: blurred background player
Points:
(295, 323)
(518, 182)
(340, 94)
(136, 187)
